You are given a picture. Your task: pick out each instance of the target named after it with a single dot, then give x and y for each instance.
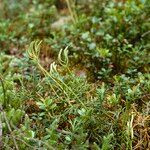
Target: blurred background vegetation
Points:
(100, 99)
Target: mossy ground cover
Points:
(75, 74)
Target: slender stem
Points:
(10, 130)
(4, 91)
(1, 130)
(72, 13)
(5, 118)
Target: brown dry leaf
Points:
(32, 107)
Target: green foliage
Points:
(111, 41)
(86, 86)
(106, 142)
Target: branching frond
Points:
(34, 50)
(63, 57)
(33, 53)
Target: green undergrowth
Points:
(45, 109)
(82, 85)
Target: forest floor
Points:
(75, 74)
